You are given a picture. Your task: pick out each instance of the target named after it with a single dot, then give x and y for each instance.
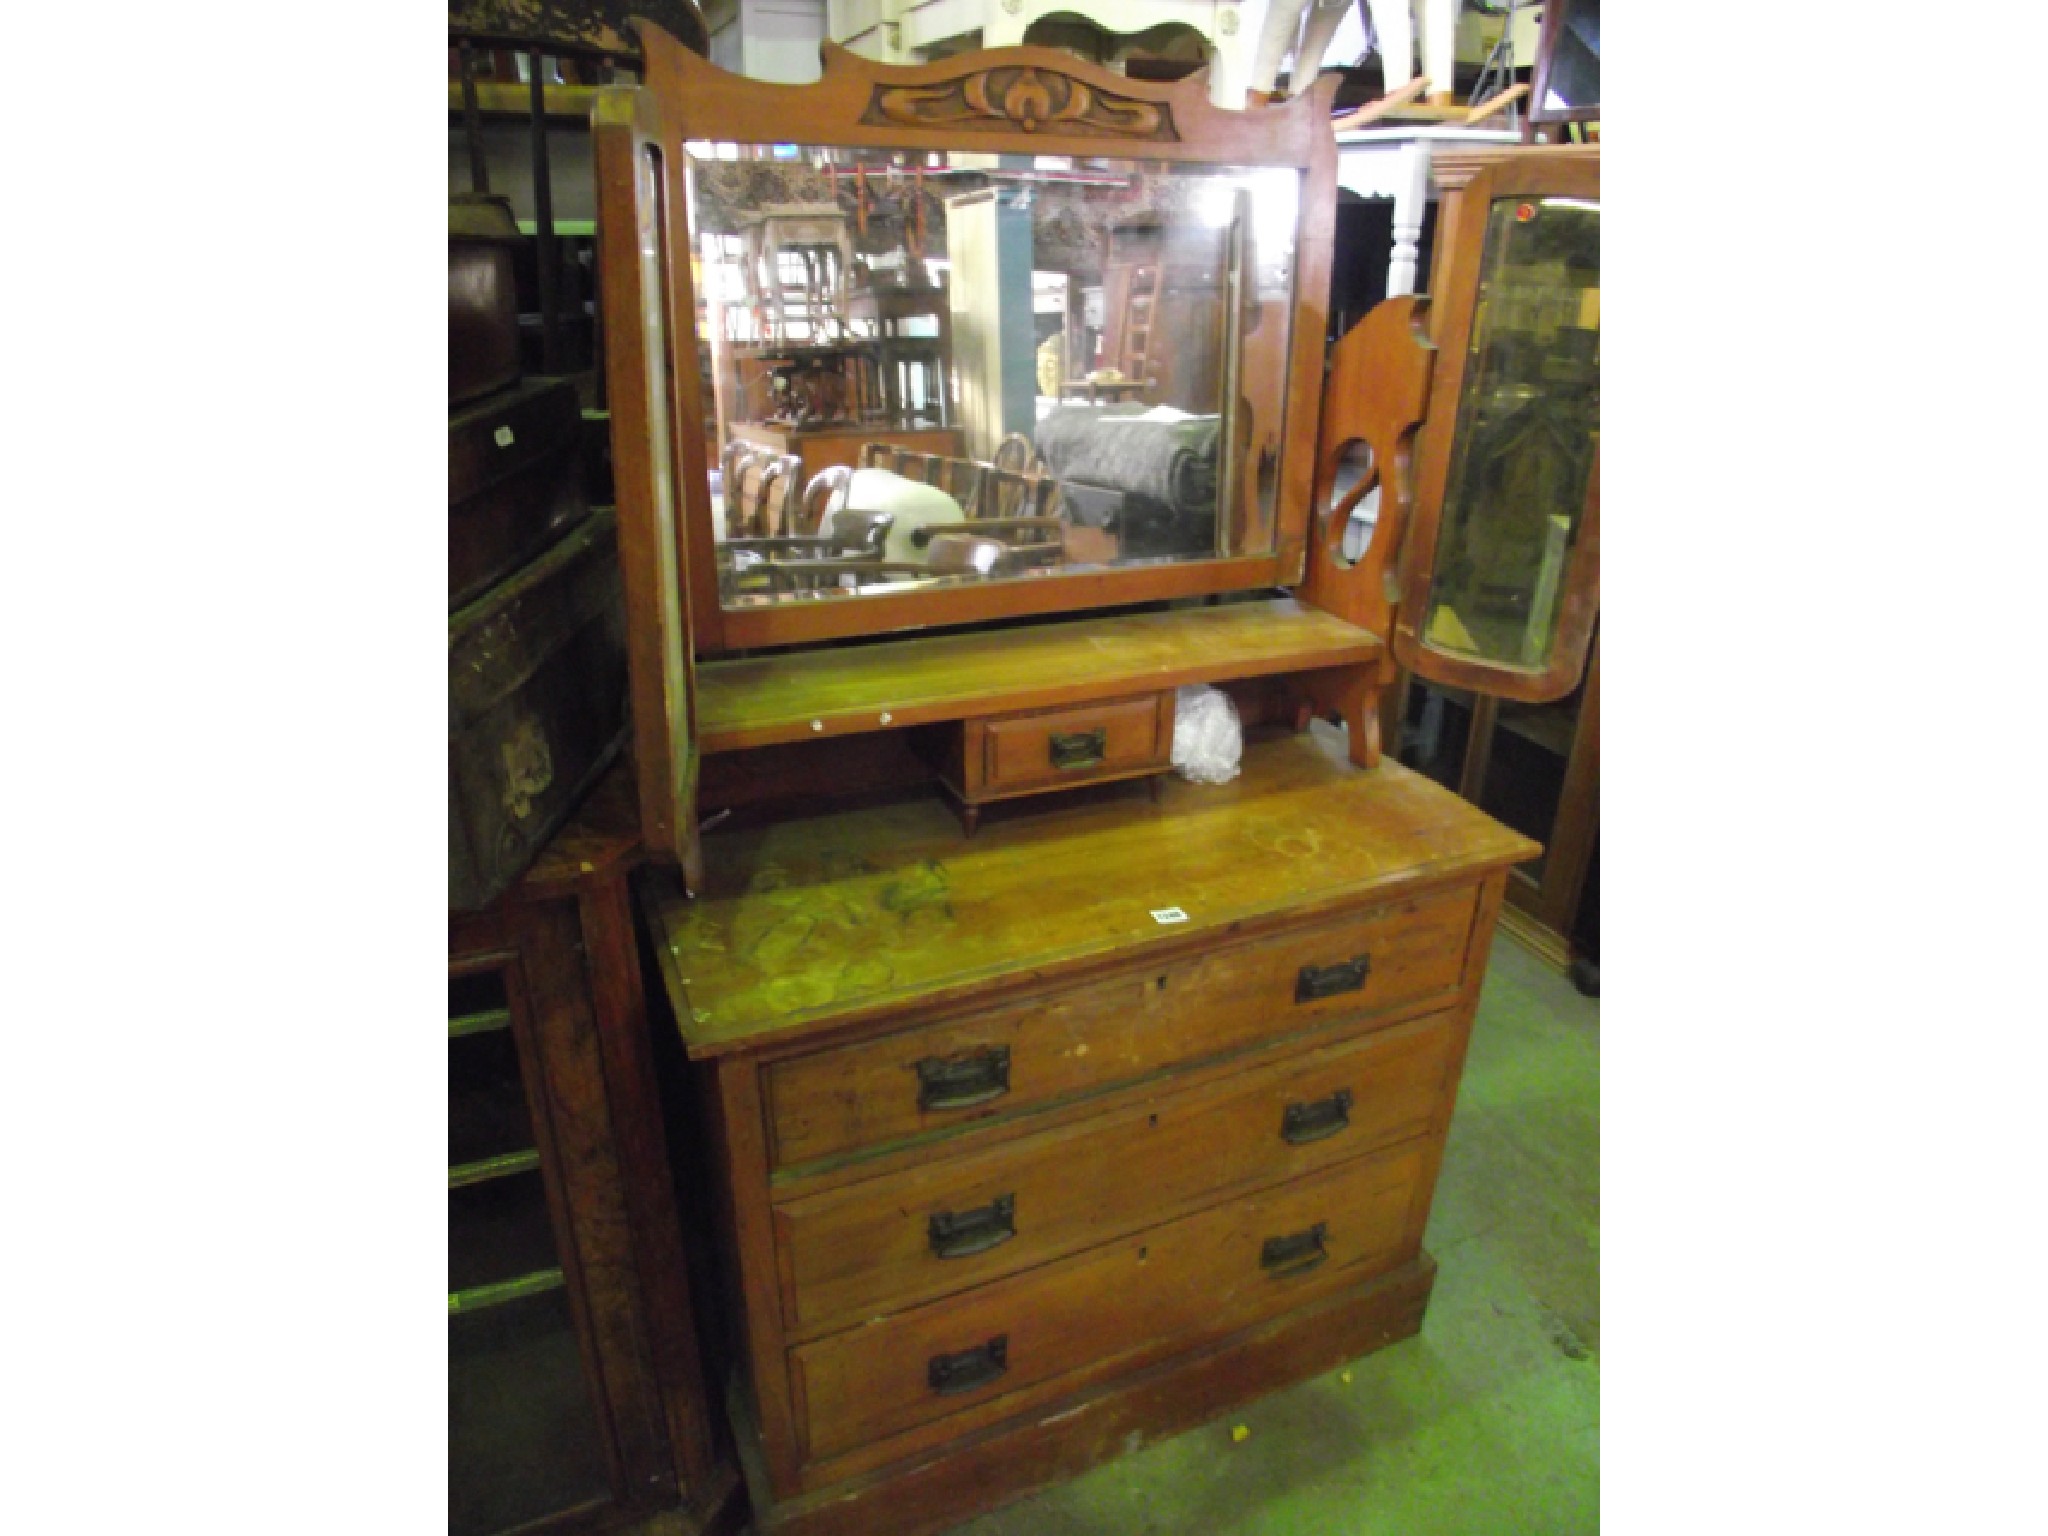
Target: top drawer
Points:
(1027, 751)
(1002, 1061)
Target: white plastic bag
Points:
(1208, 738)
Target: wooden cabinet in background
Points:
(1537, 768)
(575, 1390)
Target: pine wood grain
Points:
(827, 921)
(858, 1253)
(797, 696)
(1165, 1289)
(1091, 1039)
(1051, 1443)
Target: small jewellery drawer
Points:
(868, 1249)
(1070, 746)
(1165, 1289)
(999, 1062)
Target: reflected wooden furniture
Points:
(804, 386)
(820, 448)
(1108, 391)
(576, 1391)
(811, 308)
(1165, 305)
(986, 554)
(1015, 505)
(915, 370)
(824, 493)
(763, 493)
(849, 547)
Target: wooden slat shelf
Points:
(513, 98)
(477, 1297)
(493, 1168)
(479, 1023)
(803, 695)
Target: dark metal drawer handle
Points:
(1081, 749)
(1313, 1121)
(1296, 1254)
(970, 1232)
(971, 1368)
(956, 1082)
(1328, 980)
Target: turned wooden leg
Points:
(969, 816)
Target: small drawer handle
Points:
(1314, 1120)
(957, 1082)
(1079, 749)
(1317, 981)
(971, 1368)
(959, 1235)
(1295, 1254)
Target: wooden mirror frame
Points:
(1058, 105)
(1554, 17)
(1560, 172)
(643, 291)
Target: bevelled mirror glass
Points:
(935, 368)
(1527, 436)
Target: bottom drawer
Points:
(1148, 1295)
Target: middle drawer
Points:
(854, 1253)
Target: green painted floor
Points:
(1489, 1420)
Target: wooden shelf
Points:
(478, 1297)
(513, 98)
(501, 1167)
(479, 1023)
(803, 695)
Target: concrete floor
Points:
(1486, 1422)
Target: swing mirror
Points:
(1502, 585)
(1003, 335)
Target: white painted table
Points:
(1393, 162)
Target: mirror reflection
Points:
(931, 369)
(1527, 435)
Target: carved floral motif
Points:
(1016, 97)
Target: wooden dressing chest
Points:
(1113, 1116)
(1025, 1147)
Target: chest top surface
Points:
(812, 923)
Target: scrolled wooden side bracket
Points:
(1377, 392)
